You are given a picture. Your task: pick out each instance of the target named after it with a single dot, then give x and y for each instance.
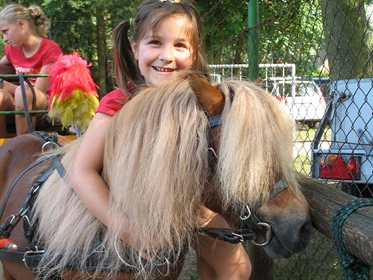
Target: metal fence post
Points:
(253, 42)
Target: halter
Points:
(249, 225)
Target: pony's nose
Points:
(304, 235)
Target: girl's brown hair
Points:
(149, 14)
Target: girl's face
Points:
(164, 52)
(12, 32)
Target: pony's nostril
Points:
(306, 232)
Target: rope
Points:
(354, 269)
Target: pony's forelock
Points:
(259, 132)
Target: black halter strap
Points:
(212, 156)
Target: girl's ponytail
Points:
(125, 65)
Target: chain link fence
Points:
(321, 71)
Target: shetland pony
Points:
(163, 161)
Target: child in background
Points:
(30, 52)
(166, 42)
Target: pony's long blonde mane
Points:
(156, 168)
(256, 145)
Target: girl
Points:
(30, 52)
(166, 42)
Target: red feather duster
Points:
(73, 97)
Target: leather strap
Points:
(32, 165)
(16, 257)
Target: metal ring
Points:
(268, 235)
(52, 145)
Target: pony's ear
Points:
(211, 99)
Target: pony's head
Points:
(253, 167)
(159, 156)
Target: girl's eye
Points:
(181, 45)
(154, 42)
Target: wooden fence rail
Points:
(324, 201)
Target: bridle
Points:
(250, 225)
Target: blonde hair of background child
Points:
(34, 15)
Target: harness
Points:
(24, 213)
(250, 225)
(34, 253)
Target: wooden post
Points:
(325, 200)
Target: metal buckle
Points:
(31, 253)
(241, 239)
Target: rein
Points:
(250, 226)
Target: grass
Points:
(318, 261)
(302, 164)
(303, 143)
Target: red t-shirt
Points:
(112, 102)
(48, 52)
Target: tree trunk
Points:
(346, 34)
(101, 54)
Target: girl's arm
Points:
(4, 60)
(85, 178)
(42, 84)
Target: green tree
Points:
(86, 27)
(289, 32)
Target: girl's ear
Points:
(22, 24)
(134, 49)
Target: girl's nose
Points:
(166, 54)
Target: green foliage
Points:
(290, 31)
(74, 25)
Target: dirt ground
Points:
(189, 271)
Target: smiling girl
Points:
(165, 44)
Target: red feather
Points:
(68, 73)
